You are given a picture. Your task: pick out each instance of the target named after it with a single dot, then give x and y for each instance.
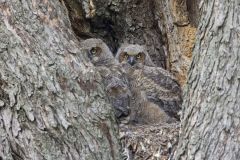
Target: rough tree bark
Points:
(52, 104)
(211, 121)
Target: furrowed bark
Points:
(52, 103)
(211, 121)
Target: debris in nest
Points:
(149, 142)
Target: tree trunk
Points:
(52, 103)
(210, 121)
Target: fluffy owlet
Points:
(116, 84)
(156, 91)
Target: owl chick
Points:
(151, 85)
(115, 82)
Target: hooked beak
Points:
(131, 60)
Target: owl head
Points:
(97, 51)
(134, 55)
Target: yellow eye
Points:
(138, 56)
(93, 50)
(96, 51)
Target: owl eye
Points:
(93, 50)
(139, 56)
(96, 51)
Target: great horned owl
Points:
(150, 85)
(115, 82)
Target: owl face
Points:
(132, 58)
(97, 51)
(134, 55)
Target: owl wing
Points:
(161, 88)
(163, 78)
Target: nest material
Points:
(149, 142)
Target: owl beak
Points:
(131, 60)
(89, 55)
